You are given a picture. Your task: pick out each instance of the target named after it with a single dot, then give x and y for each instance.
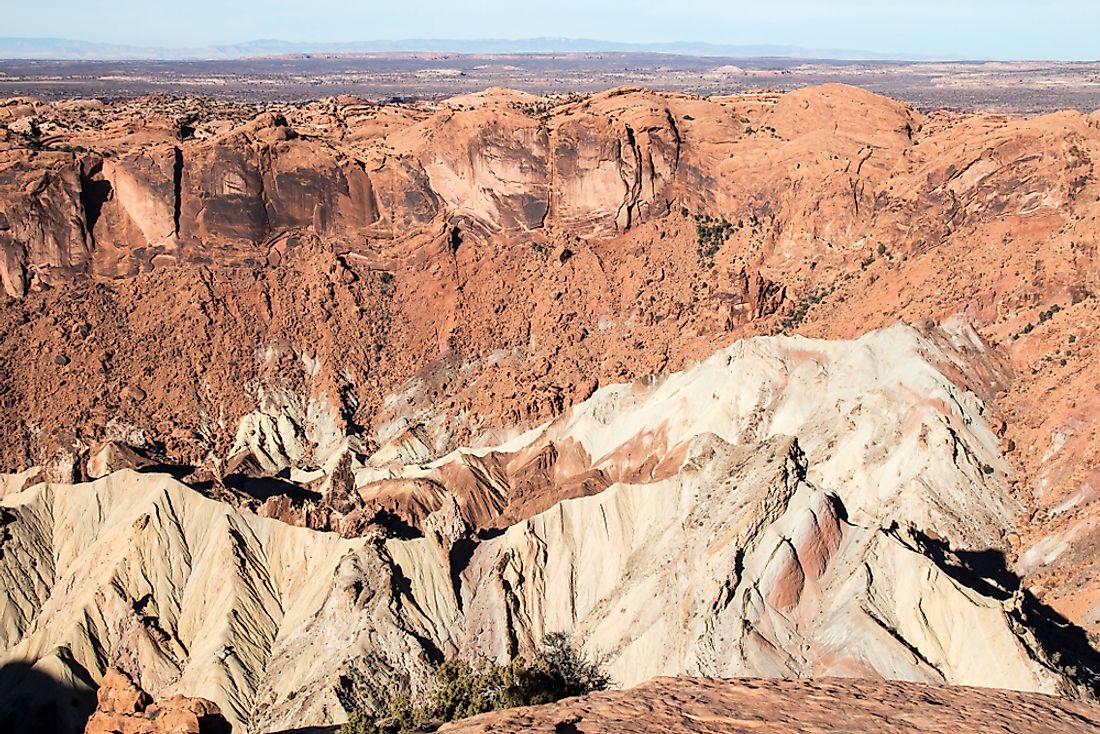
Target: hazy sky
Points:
(1064, 29)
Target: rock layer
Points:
(764, 512)
(181, 265)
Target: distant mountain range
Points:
(66, 49)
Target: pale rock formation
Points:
(288, 429)
(112, 456)
(197, 597)
(767, 577)
(788, 507)
(18, 481)
(406, 447)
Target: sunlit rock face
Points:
(299, 401)
(787, 507)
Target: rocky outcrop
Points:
(240, 189)
(821, 706)
(199, 598)
(505, 163)
(44, 235)
(137, 220)
(126, 709)
(490, 164)
(615, 159)
(115, 456)
(764, 513)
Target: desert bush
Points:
(711, 233)
(798, 313)
(462, 689)
(358, 723)
(567, 672)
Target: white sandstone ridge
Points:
(786, 508)
(290, 427)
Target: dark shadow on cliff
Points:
(264, 488)
(33, 702)
(462, 552)
(395, 526)
(95, 192)
(179, 472)
(1064, 644)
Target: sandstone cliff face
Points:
(495, 171)
(139, 218)
(599, 170)
(342, 287)
(43, 232)
(615, 160)
(764, 512)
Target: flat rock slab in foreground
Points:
(796, 707)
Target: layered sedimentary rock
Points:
(765, 512)
(470, 268)
(440, 378)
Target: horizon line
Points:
(84, 50)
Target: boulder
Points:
(124, 708)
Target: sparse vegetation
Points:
(1044, 316)
(711, 233)
(1047, 315)
(798, 314)
(877, 252)
(544, 108)
(463, 689)
(358, 723)
(542, 248)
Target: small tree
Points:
(566, 672)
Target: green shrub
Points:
(800, 310)
(358, 723)
(462, 689)
(565, 671)
(711, 233)
(1047, 315)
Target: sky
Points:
(1003, 29)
